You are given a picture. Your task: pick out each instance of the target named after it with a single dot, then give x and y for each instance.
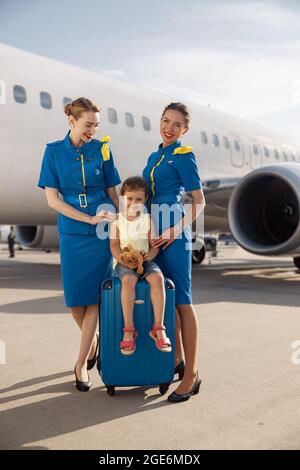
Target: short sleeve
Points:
(187, 168)
(110, 171)
(48, 175)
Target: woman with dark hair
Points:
(169, 171)
(81, 169)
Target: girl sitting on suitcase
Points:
(134, 227)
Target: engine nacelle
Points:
(264, 210)
(38, 236)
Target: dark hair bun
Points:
(68, 109)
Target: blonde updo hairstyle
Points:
(80, 106)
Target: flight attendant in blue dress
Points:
(171, 170)
(81, 169)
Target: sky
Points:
(238, 56)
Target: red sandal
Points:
(128, 347)
(163, 344)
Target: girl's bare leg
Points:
(158, 299)
(127, 299)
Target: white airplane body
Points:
(245, 150)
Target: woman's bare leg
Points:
(190, 334)
(179, 354)
(78, 314)
(88, 330)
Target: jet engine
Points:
(38, 236)
(264, 210)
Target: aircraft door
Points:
(256, 155)
(237, 153)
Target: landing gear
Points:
(198, 255)
(207, 245)
(297, 261)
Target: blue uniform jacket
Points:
(169, 172)
(62, 169)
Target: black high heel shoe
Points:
(176, 397)
(82, 386)
(179, 369)
(92, 362)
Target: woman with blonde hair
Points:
(81, 169)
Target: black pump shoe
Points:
(82, 386)
(92, 362)
(176, 397)
(179, 369)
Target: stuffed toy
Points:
(130, 255)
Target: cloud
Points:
(241, 57)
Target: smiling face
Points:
(85, 127)
(133, 202)
(172, 126)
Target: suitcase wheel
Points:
(110, 390)
(163, 388)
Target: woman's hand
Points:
(166, 238)
(102, 216)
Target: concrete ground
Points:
(249, 312)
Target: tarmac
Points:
(249, 313)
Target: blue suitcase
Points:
(148, 365)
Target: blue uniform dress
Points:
(81, 175)
(169, 172)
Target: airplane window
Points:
(226, 142)
(46, 100)
(216, 140)
(67, 101)
(237, 145)
(284, 156)
(146, 123)
(204, 137)
(20, 94)
(266, 151)
(129, 119)
(276, 153)
(112, 115)
(255, 149)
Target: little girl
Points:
(133, 226)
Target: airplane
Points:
(250, 173)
